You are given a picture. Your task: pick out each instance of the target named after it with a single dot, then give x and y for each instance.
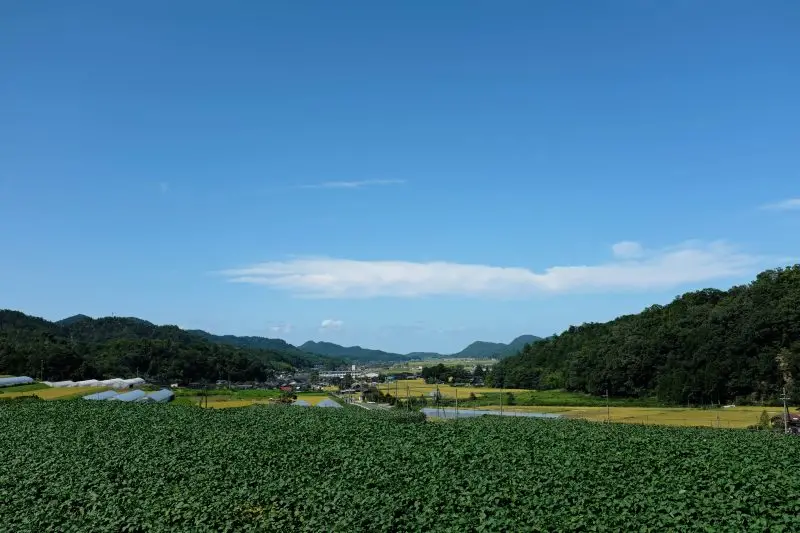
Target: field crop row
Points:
(106, 466)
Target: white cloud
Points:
(320, 277)
(627, 250)
(330, 324)
(281, 328)
(785, 205)
(352, 184)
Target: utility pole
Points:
(608, 407)
(785, 412)
(456, 404)
(408, 399)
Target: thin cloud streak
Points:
(322, 277)
(352, 184)
(789, 204)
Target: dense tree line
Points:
(705, 347)
(450, 374)
(122, 347)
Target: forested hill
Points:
(85, 348)
(260, 343)
(476, 350)
(354, 353)
(483, 349)
(705, 346)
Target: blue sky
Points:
(400, 175)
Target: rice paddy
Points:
(734, 417)
(417, 387)
(221, 402)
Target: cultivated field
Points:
(415, 387)
(107, 466)
(736, 417)
(218, 401)
(53, 393)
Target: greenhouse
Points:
(114, 383)
(163, 395)
(301, 403)
(329, 403)
(60, 384)
(15, 380)
(132, 396)
(105, 395)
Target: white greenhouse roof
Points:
(15, 380)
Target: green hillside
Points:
(485, 350)
(86, 348)
(706, 346)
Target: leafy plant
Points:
(107, 466)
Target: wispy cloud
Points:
(330, 324)
(321, 277)
(352, 184)
(785, 205)
(281, 328)
(627, 250)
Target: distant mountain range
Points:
(476, 350)
(355, 354)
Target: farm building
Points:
(327, 402)
(15, 380)
(105, 395)
(161, 396)
(132, 396)
(301, 403)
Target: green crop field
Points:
(106, 466)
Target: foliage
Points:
(764, 421)
(103, 466)
(84, 348)
(446, 374)
(708, 346)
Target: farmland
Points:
(47, 393)
(415, 387)
(737, 417)
(112, 467)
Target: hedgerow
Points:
(104, 466)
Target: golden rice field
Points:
(734, 417)
(61, 393)
(223, 403)
(415, 387)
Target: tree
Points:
(764, 421)
(347, 381)
(707, 346)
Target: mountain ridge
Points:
(82, 347)
(357, 353)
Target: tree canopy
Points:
(84, 348)
(706, 346)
